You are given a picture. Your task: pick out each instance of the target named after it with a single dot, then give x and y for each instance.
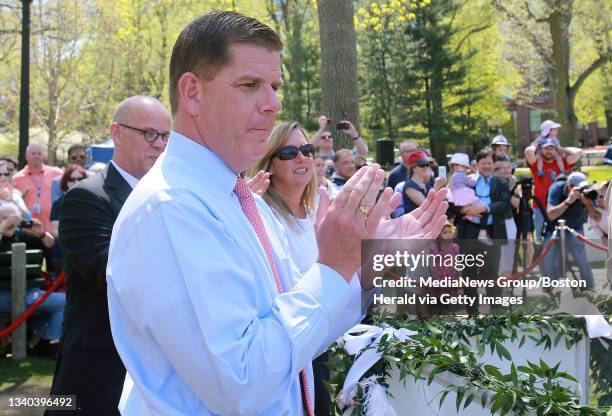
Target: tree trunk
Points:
(558, 23)
(339, 83)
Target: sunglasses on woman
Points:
(291, 152)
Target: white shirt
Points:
(131, 180)
(193, 305)
(303, 249)
(302, 241)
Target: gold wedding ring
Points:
(365, 209)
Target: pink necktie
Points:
(250, 211)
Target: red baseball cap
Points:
(419, 157)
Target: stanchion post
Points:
(562, 229)
(18, 295)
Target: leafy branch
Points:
(443, 346)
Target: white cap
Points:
(547, 126)
(460, 159)
(578, 179)
(500, 141)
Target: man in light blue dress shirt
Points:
(194, 308)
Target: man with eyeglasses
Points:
(89, 366)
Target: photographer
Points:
(324, 141)
(14, 230)
(570, 199)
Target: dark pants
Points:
(95, 376)
(321, 374)
(491, 265)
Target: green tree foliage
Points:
(428, 69)
(296, 23)
(420, 75)
(570, 40)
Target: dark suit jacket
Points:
(89, 365)
(500, 205)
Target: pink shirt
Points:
(36, 190)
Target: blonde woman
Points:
(293, 189)
(291, 195)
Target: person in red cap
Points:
(418, 183)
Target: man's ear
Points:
(115, 133)
(190, 88)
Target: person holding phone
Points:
(14, 229)
(8, 193)
(323, 139)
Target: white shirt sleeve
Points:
(185, 298)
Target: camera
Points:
(589, 192)
(342, 126)
(26, 224)
(526, 183)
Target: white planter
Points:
(419, 399)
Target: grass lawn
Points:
(594, 173)
(30, 374)
(24, 379)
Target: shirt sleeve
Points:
(555, 195)
(54, 216)
(188, 288)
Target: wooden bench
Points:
(33, 269)
(20, 269)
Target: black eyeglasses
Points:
(326, 137)
(291, 152)
(75, 179)
(78, 157)
(150, 135)
(7, 174)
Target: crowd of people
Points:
(209, 264)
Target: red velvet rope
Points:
(533, 265)
(33, 308)
(586, 240)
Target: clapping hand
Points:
(259, 183)
(425, 222)
(355, 215)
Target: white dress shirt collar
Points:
(131, 180)
(203, 160)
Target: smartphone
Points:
(441, 171)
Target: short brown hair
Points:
(203, 46)
(484, 153)
(340, 153)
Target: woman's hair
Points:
(278, 138)
(4, 163)
(68, 173)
